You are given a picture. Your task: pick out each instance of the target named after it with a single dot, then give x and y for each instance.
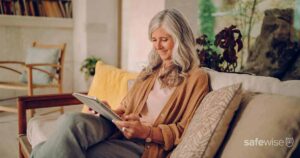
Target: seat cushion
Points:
(110, 84)
(267, 125)
(39, 128)
(209, 124)
(38, 56)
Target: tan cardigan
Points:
(177, 112)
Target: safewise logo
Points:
(288, 142)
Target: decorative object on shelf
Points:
(88, 66)
(207, 20)
(226, 40)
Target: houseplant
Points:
(230, 40)
(88, 66)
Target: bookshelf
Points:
(38, 8)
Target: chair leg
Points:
(20, 152)
(60, 90)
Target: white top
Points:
(156, 100)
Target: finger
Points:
(132, 117)
(129, 130)
(128, 133)
(120, 112)
(120, 124)
(123, 123)
(106, 103)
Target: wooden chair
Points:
(30, 86)
(32, 102)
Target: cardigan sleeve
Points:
(198, 88)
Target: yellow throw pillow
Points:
(110, 84)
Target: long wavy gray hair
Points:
(184, 55)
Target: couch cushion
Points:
(253, 83)
(110, 84)
(263, 119)
(209, 123)
(37, 56)
(39, 128)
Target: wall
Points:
(17, 34)
(189, 9)
(136, 16)
(102, 29)
(95, 34)
(80, 44)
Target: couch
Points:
(260, 117)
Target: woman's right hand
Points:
(119, 111)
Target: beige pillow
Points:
(209, 124)
(267, 126)
(261, 84)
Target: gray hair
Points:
(184, 54)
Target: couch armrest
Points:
(41, 101)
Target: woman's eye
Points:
(165, 40)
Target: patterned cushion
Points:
(209, 124)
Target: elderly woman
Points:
(156, 111)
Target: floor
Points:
(9, 130)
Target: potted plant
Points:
(88, 66)
(230, 40)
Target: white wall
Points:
(189, 9)
(95, 34)
(16, 36)
(80, 44)
(102, 29)
(136, 15)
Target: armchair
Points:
(33, 102)
(35, 68)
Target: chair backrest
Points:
(62, 48)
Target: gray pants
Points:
(81, 135)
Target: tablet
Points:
(97, 106)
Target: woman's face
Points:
(163, 44)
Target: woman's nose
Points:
(158, 45)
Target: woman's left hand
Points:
(132, 127)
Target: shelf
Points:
(32, 21)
